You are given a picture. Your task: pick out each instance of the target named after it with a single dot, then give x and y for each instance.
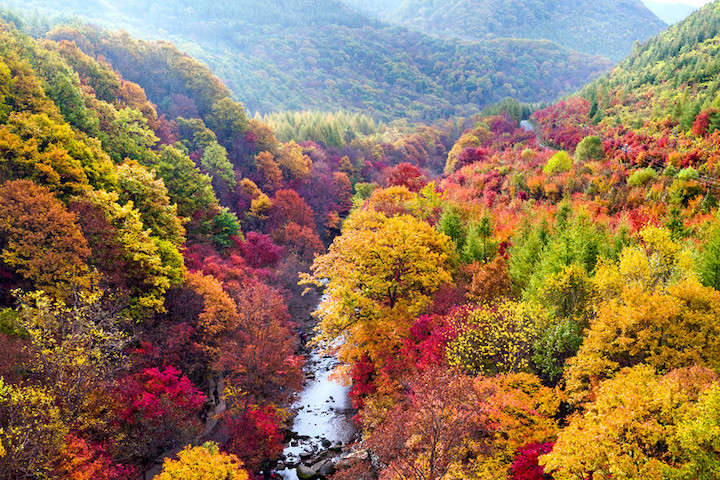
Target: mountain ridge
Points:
(284, 55)
(606, 27)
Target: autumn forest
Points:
(506, 247)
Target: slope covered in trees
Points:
(672, 76)
(577, 335)
(285, 55)
(547, 308)
(146, 257)
(608, 27)
(140, 263)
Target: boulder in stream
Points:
(320, 469)
(306, 473)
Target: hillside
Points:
(143, 258)
(281, 55)
(380, 8)
(606, 27)
(546, 308)
(674, 75)
(585, 307)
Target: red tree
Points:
(407, 175)
(526, 465)
(255, 436)
(156, 409)
(259, 348)
(259, 251)
(288, 207)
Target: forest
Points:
(528, 293)
(287, 55)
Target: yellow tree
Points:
(32, 431)
(292, 161)
(149, 195)
(74, 348)
(378, 275)
(656, 262)
(653, 311)
(667, 330)
(639, 427)
(205, 462)
(496, 339)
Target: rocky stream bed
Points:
(322, 426)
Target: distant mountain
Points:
(378, 7)
(299, 54)
(604, 27)
(670, 13)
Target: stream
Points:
(323, 422)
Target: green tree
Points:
(526, 252)
(589, 148)
(560, 162)
(451, 224)
(479, 246)
(215, 162)
(130, 136)
(558, 343)
(227, 119)
(187, 187)
(710, 259)
(149, 196)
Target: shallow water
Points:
(324, 411)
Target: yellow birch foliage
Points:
(205, 462)
(153, 272)
(32, 431)
(259, 207)
(494, 339)
(74, 348)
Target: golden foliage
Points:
(378, 275)
(205, 462)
